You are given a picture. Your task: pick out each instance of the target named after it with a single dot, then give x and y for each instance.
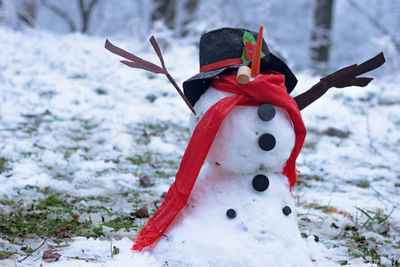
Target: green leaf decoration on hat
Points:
(248, 37)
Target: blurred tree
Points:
(18, 13)
(321, 35)
(61, 13)
(176, 14)
(27, 12)
(85, 11)
(165, 11)
(190, 8)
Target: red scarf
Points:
(265, 89)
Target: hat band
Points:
(221, 64)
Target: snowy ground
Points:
(78, 130)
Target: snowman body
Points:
(240, 212)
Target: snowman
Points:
(231, 202)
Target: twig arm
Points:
(139, 63)
(311, 95)
(342, 78)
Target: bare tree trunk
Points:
(27, 13)
(190, 8)
(165, 11)
(86, 12)
(321, 35)
(61, 13)
(176, 14)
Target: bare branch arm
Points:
(142, 64)
(342, 78)
(137, 62)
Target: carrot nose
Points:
(255, 64)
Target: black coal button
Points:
(286, 210)
(231, 213)
(260, 182)
(266, 112)
(267, 142)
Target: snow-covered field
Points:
(78, 130)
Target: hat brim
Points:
(195, 86)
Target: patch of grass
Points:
(155, 164)
(305, 180)
(58, 215)
(310, 145)
(367, 234)
(69, 150)
(330, 132)
(370, 249)
(139, 159)
(28, 154)
(121, 223)
(48, 94)
(336, 132)
(103, 199)
(3, 165)
(381, 167)
(34, 122)
(77, 76)
(79, 138)
(7, 202)
(360, 183)
(63, 176)
(115, 161)
(324, 208)
(374, 218)
(85, 124)
(151, 98)
(388, 102)
(144, 131)
(101, 91)
(104, 171)
(380, 178)
(37, 213)
(6, 254)
(313, 177)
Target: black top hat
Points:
(227, 49)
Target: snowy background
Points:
(80, 133)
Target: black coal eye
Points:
(266, 112)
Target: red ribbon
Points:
(265, 89)
(221, 64)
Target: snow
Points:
(260, 231)
(42, 68)
(53, 86)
